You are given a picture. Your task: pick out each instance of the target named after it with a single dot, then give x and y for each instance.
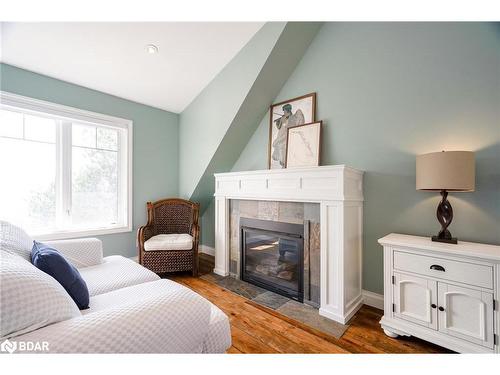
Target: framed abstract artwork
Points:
(284, 115)
(303, 145)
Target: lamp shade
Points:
(446, 170)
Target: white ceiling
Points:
(112, 57)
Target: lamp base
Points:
(444, 215)
(445, 240)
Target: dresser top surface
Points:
(469, 249)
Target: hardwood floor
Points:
(257, 329)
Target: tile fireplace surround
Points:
(304, 214)
(338, 190)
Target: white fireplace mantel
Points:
(339, 191)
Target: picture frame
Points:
(304, 145)
(296, 111)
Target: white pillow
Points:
(30, 298)
(15, 240)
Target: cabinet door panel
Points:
(413, 297)
(468, 314)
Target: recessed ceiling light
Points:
(152, 49)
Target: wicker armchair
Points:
(170, 216)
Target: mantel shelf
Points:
(316, 184)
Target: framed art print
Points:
(303, 145)
(283, 115)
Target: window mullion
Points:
(66, 174)
(59, 179)
(119, 176)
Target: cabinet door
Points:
(466, 314)
(414, 298)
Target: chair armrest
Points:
(195, 232)
(144, 233)
(80, 252)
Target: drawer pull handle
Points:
(433, 306)
(441, 308)
(436, 267)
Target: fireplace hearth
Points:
(273, 256)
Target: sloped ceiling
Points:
(214, 129)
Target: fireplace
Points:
(327, 201)
(272, 256)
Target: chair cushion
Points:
(175, 241)
(50, 261)
(15, 240)
(30, 298)
(115, 272)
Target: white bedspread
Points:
(155, 317)
(113, 273)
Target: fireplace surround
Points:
(338, 190)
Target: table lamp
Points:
(444, 172)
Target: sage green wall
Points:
(205, 121)
(389, 91)
(217, 125)
(155, 148)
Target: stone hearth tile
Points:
(301, 312)
(234, 207)
(312, 212)
(212, 277)
(314, 260)
(234, 228)
(310, 316)
(234, 242)
(315, 294)
(235, 255)
(242, 288)
(268, 210)
(271, 300)
(234, 250)
(314, 236)
(233, 267)
(249, 209)
(291, 212)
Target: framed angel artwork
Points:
(282, 116)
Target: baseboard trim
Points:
(373, 299)
(206, 250)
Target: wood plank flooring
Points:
(257, 329)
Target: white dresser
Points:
(443, 293)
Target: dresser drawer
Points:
(461, 272)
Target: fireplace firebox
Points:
(273, 256)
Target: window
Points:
(64, 172)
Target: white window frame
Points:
(28, 105)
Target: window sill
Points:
(81, 233)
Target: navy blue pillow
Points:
(50, 261)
